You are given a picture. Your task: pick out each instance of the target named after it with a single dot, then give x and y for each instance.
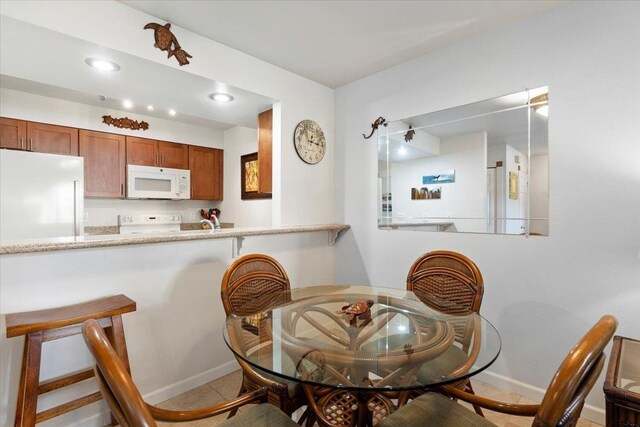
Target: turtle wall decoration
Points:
(125, 123)
(166, 41)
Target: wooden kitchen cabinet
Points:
(206, 166)
(104, 163)
(44, 138)
(142, 151)
(150, 152)
(173, 155)
(13, 133)
(265, 154)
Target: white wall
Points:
(465, 198)
(542, 293)
(239, 141)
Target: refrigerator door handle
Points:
(76, 208)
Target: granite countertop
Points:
(415, 223)
(93, 241)
(103, 230)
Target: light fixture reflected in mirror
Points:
(172, 112)
(102, 64)
(127, 104)
(542, 106)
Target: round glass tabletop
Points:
(361, 338)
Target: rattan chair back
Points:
(117, 387)
(252, 284)
(447, 281)
(564, 399)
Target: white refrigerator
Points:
(41, 195)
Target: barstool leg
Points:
(115, 334)
(29, 380)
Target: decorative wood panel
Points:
(44, 138)
(206, 166)
(265, 152)
(104, 163)
(173, 155)
(13, 133)
(142, 151)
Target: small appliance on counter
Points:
(145, 224)
(41, 195)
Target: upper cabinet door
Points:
(206, 165)
(142, 152)
(171, 155)
(104, 163)
(43, 138)
(265, 126)
(13, 134)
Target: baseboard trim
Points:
(190, 383)
(168, 392)
(589, 412)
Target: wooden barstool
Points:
(52, 324)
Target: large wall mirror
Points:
(476, 168)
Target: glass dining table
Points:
(358, 351)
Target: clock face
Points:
(309, 141)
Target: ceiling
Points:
(61, 72)
(337, 42)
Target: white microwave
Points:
(146, 182)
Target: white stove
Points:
(144, 224)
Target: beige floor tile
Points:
(229, 385)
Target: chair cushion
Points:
(264, 415)
(434, 410)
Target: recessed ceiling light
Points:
(127, 103)
(102, 64)
(221, 97)
(172, 112)
(402, 151)
(149, 107)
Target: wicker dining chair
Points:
(560, 406)
(130, 410)
(449, 282)
(251, 285)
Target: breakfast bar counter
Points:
(238, 234)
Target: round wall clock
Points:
(309, 141)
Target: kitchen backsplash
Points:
(104, 212)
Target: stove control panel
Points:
(163, 219)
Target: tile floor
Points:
(227, 387)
